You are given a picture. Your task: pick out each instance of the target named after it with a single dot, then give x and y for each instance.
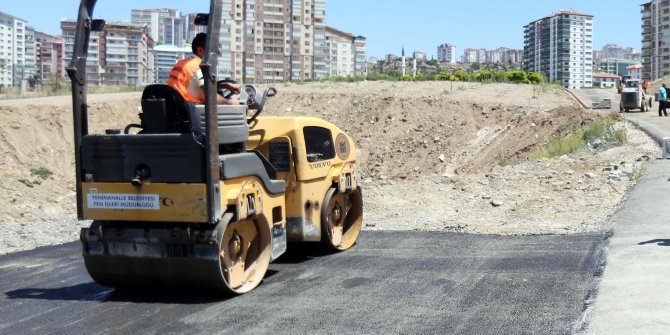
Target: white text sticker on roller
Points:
(123, 201)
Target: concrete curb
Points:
(585, 103)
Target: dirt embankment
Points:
(429, 156)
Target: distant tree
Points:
(534, 77)
(443, 76)
(461, 75)
(484, 76)
(518, 77)
(423, 77)
(475, 66)
(500, 76)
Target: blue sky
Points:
(389, 24)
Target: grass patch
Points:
(602, 130)
(636, 175)
(501, 160)
(41, 172)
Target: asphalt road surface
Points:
(389, 283)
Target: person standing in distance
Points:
(662, 97)
(187, 79)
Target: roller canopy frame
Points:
(76, 71)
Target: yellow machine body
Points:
(311, 168)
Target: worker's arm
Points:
(220, 100)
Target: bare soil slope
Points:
(429, 156)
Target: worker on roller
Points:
(187, 79)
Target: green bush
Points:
(484, 76)
(535, 78)
(461, 75)
(41, 172)
(501, 160)
(500, 76)
(518, 76)
(443, 76)
(379, 76)
(405, 78)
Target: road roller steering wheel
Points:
(269, 92)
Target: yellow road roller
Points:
(203, 195)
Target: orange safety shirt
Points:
(181, 76)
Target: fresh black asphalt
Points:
(389, 283)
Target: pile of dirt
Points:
(431, 157)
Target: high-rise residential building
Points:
(173, 31)
(12, 49)
(446, 53)
(190, 29)
(50, 58)
(612, 51)
(118, 55)
(597, 54)
(504, 55)
(420, 55)
(481, 56)
(346, 53)
(28, 70)
(96, 50)
(161, 24)
(655, 39)
(470, 56)
(560, 47)
(360, 58)
(126, 53)
(165, 57)
(631, 54)
(513, 56)
(265, 42)
(495, 56)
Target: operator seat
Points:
(164, 110)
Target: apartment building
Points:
(273, 40)
(560, 47)
(346, 54)
(618, 52)
(165, 57)
(164, 25)
(470, 56)
(50, 57)
(504, 55)
(360, 59)
(96, 50)
(655, 39)
(446, 53)
(12, 49)
(481, 56)
(118, 55)
(126, 54)
(190, 29)
(513, 56)
(28, 70)
(173, 31)
(612, 51)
